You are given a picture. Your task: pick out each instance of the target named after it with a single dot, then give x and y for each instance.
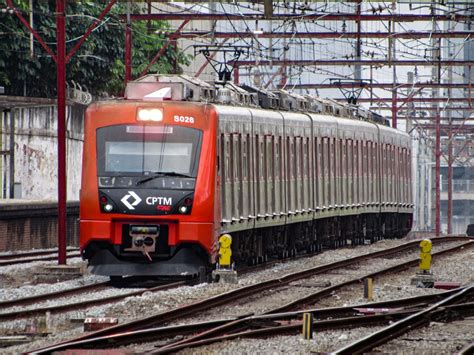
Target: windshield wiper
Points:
(161, 174)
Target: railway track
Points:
(276, 325)
(135, 328)
(413, 321)
(27, 257)
(312, 298)
(25, 313)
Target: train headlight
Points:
(183, 209)
(108, 207)
(150, 114)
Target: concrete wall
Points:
(35, 142)
(33, 225)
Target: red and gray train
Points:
(179, 162)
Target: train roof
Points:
(155, 87)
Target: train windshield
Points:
(138, 150)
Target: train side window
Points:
(244, 158)
(277, 158)
(298, 157)
(269, 157)
(227, 156)
(233, 158)
(240, 156)
(288, 169)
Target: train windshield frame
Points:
(142, 149)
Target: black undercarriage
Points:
(256, 246)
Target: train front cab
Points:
(147, 195)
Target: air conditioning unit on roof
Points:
(155, 87)
(263, 98)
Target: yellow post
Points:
(225, 252)
(308, 325)
(425, 255)
(368, 288)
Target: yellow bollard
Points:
(308, 326)
(368, 288)
(225, 252)
(425, 255)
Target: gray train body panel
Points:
(280, 167)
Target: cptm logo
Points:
(129, 205)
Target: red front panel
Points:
(200, 225)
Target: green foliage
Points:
(99, 62)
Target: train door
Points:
(326, 170)
(236, 172)
(279, 182)
(307, 168)
(246, 179)
(333, 171)
(291, 172)
(226, 182)
(350, 171)
(356, 147)
(269, 175)
(375, 169)
(302, 176)
(364, 173)
(260, 175)
(319, 177)
(343, 172)
(370, 172)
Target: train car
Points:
(178, 163)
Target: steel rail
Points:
(32, 259)
(396, 329)
(32, 253)
(206, 304)
(467, 350)
(78, 305)
(51, 295)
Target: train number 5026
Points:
(184, 119)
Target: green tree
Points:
(98, 64)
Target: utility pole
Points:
(436, 73)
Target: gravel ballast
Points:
(152, 303)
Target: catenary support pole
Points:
(128, 47)
(61, 88)
(11, 177)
